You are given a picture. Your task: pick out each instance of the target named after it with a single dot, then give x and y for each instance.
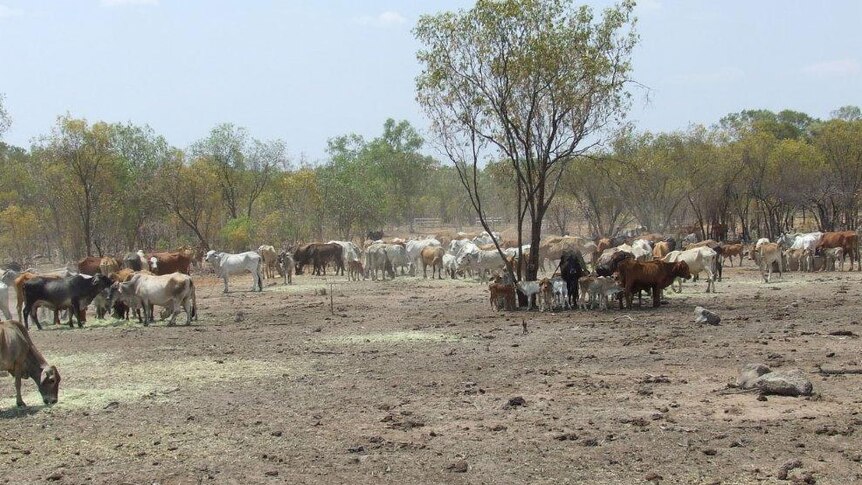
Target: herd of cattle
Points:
(587, 274)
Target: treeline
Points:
(102, 188)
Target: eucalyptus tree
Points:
(533, 81)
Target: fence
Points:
(427, 222)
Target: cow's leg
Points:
(656, 297)
(224, 278)
(18, 400)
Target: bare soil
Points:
(418, 381)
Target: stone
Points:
(702, 315)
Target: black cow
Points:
(374, 235)
(75, 292)
(572, 267)
(133, 262)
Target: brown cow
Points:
(108, 265)
(660, 250)
(650, 275)
(846, 240)
(502, 296)
(354, 271)
(730, 250)
(167, 263)
(89, 265)
(432, 256)
(19, 357)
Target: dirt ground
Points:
(409, 381)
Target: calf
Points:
(769, 253)
(355, 270)
(450, 264)
(831, 256)
(546, 295)
(529, 289)
(75, 292)
(20, 358)
(287, 266)
(270, 261)
(728, 251)
(502, 297)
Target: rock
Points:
(702, 315)
(653, 477)
(459, 466)
(272, 473)
(57, 475)
(791, 382)
(239, 317)
(515, 402)
(750, 373)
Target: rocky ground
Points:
(415, 381)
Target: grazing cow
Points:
(769, 253)
(74, 292)
(831, 256)
(572, 267)
(728, 251)
(173, 292)
(136, 261)
(287, 266)
(20, 358)
(123, 305)
(227, 264)
(89, 265)
(377, 259)
(502, 296)
(651, 275)
(414, 252)
(167, 263)
(355, 270)
(432, 256)
(697, 259)
(397, 255)
(319, 255)
(6, 280)
(270, 261)
(848, 241)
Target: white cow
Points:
(807, 242)
(485, 238)
(377, 259)
(397, 255)
(698, 260)
(173, 291)
(226, 264)
(482, 261)
(642, 249)
(414, 250)
(450, 265)
(350, 251)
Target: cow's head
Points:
(680, 270)
(211, 257)
(49, 384)
(99, 282)
(154, 263)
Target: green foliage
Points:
(237, 234)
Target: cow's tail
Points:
(194, 298)
(258, 275)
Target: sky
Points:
(306, 71)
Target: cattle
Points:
(20, 358)
(349, 251)
(502, 296)
(355, 271)
(374, 235)
(584, 300)
(651, 275)
(319, 255)
(482, 261)
(123, 305)
(174, 291)
(89, 265)
(595, 291)
(377, 259)
(642, 250)
(572, 267)
(28, 275)
(135, 261)
(831, 256)
(697, 259)
(546, 295)
(715, 246)
(796, 258)
(848, 241)
(728, 251)
(270, 261)
(74, 292)
(660, 250)
(450, 265)
(807, 242)
(769, 253)
(102, 303)
(287, 265)
(606, 265)
(529, 289)
(108, 265)
(485, 238)
(227, 264)
(414, 252)
(167, 263)
(432, 256)
(6, 280)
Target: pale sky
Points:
(305, 71)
